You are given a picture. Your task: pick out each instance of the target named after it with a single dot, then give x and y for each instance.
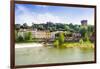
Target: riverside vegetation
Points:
(59, 41)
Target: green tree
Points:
(83, 31)
(86, 38)
(61, 38)
(25, 26)
(66, 27)
(20, 38)
(90, 28)
(81, 41)
(76, 28)
(40, 27)
(71, 25)
(56, 43)
(59, 41)
(28, 36)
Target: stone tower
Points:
(84, 22)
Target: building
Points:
(84, 22)
(76, 35)
(37, 34)
(73, 37)
(41, 34)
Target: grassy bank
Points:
(66, 44)
(79, 45)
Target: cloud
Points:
(23, 15)
(43, 18)
(42, 6)
(27, 16)
(39, 18)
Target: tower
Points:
(84, 22)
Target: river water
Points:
(27, 54)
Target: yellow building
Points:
(41, 34)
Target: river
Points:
(30, 53)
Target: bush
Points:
(56, 43)
(81, 41)
(83, 30)
(28, 36)
(86, 38)
(61, 38)
(20, 38)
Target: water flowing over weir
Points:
(22, 45)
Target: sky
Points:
(29, 13)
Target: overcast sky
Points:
(28, 13)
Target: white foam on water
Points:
(26, 45)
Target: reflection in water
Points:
(44, 55)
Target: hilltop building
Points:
(84, 22)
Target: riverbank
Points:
(65, 45)
(79, 45)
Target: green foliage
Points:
(56, 43)
(71, 25)
(83, 31)
(25, 37)
(81, 41)
(61, 38)
(25, 26)
(57, 27)
(90, 28)
(76, 28)
(28, 36)
(20, 38)
(86, 38)
(67, 28)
